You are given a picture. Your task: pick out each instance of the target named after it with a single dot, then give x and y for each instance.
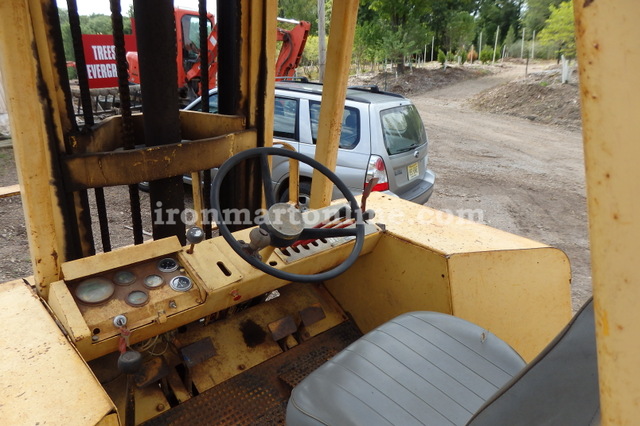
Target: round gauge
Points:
(137, 298)
(153, 281)
(124, 277)
(181, 283)
(95, 290)
(168, 265)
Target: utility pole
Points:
(495, 47)
(322, 41)
(522, 48)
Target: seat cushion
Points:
(419, 368)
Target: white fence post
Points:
(533, 45)
(495, 47)
(433, 40)
(565, 70)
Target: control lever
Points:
(366, 192)
(195, 235)
(336, 222)
(129, 363)
(343, 212)
(258, 239)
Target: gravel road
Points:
(526, 178)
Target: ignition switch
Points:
(120, 321)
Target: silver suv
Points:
(382, 136)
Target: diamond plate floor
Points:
(259, 395)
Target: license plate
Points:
(413, 171)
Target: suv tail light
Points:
(377, 169)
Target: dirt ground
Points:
(500, 142)
(526, 177)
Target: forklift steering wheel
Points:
(287, 233)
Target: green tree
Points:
(94, 24)
(396, 28)
(461, 30)
(439, 14)
(559, 30)
(300, 10)
(67, 41)
(537, 13)
(310, 53)
(509, 39)
(497, 13)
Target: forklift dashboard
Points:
(146, 290)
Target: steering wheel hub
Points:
(284, 221)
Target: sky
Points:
(88, 7)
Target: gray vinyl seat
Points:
(426, 368)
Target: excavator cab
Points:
(240, 309)
(190, 40)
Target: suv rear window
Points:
(402, 129)
(350, 133)
(285, 118)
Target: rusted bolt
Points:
(241, 367)
(160, 407)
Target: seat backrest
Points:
(559, 387)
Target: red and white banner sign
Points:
(100, 56)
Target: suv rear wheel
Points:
(304, 193)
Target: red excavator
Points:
(188, 58)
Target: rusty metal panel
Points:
(197, 352)
(312, 314)
(150, 401)
(282, 328)
(153, 370)
(259, 395)
(107, 135)
(148, 164)
(242, 340)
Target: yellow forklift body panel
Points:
(44, 378)
(517, 288)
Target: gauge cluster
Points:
(145, 292)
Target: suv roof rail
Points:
(373, 88)
(293, 78)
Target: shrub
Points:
(451, 57)
(486, 55)
(442, 58)
(463, 55)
